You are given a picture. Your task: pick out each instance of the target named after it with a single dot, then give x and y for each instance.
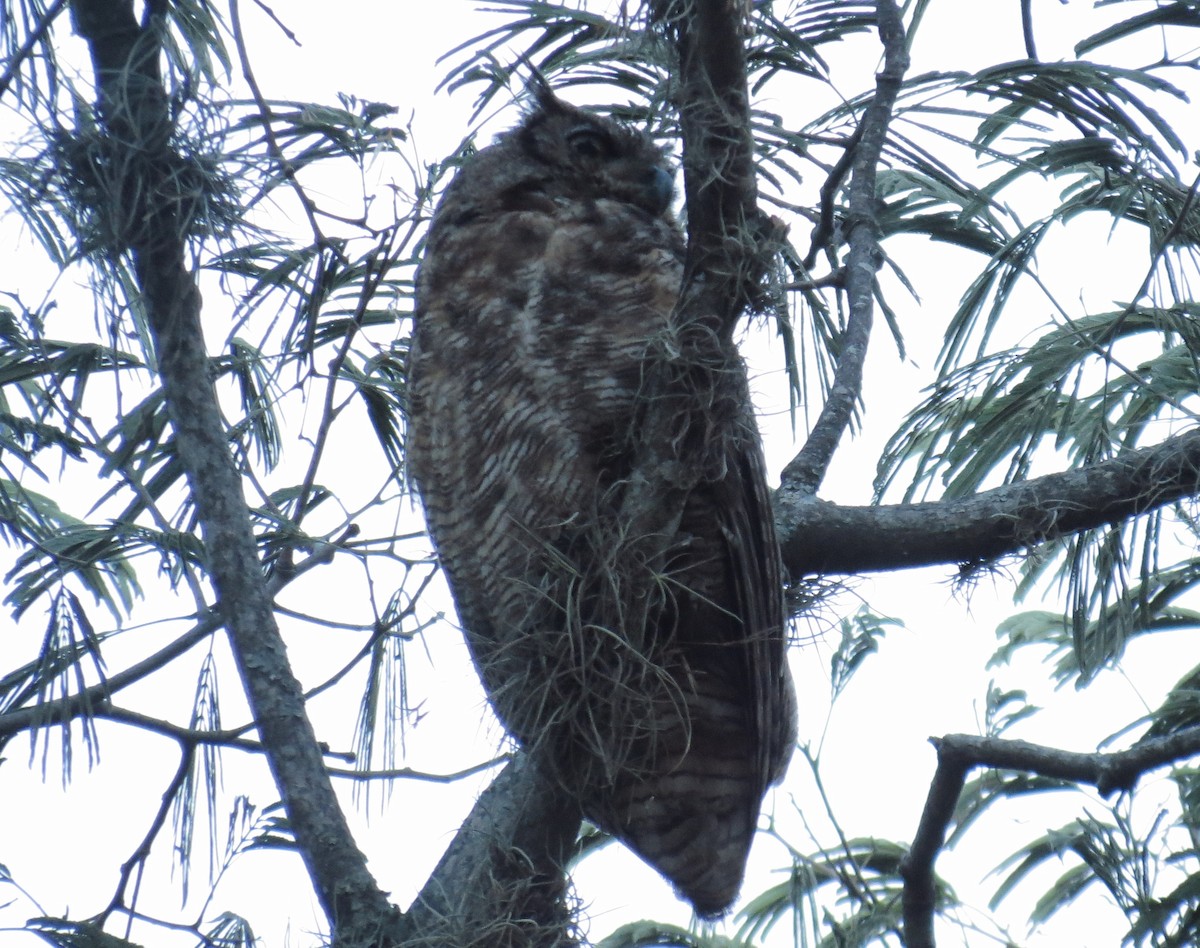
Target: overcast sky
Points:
(929, 678)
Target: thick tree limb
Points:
(959, 754)
(723, 265)
(502, 881)
(820, 537)
(726, 231)
(807, 470)
(136, 118)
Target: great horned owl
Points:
(552, 269)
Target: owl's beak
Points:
(660, 189)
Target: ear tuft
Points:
(538, 87)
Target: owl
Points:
(544, 312)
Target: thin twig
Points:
(226, 737)
(273, 147)
(1027, 29)
(376, 268)
(836, 280)
(138, 858)
(135, 481)
(833, 182)
(407, 773)
(274, 17)
(857, 886)
(231, 738)
(83, 702)
(35, 37)
(807, 470)
(87, 700)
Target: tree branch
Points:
(807, 470)
(728, 237)
(136, 117)
(503, 880)
(725, 263)
(1027, 29)
(408, 773)
(95, 696)
(826, 217)
(959, 754)
(36, 35)
(137, 859)
(821, 537)
(89, 699)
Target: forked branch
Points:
(959, 754)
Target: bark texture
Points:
(136, 118)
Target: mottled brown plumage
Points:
(552, 268)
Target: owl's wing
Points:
(756, 573)
(694, 815)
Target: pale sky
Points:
(928, 679)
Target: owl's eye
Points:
(589, 142)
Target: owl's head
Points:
(595, 156)
(560, 153)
